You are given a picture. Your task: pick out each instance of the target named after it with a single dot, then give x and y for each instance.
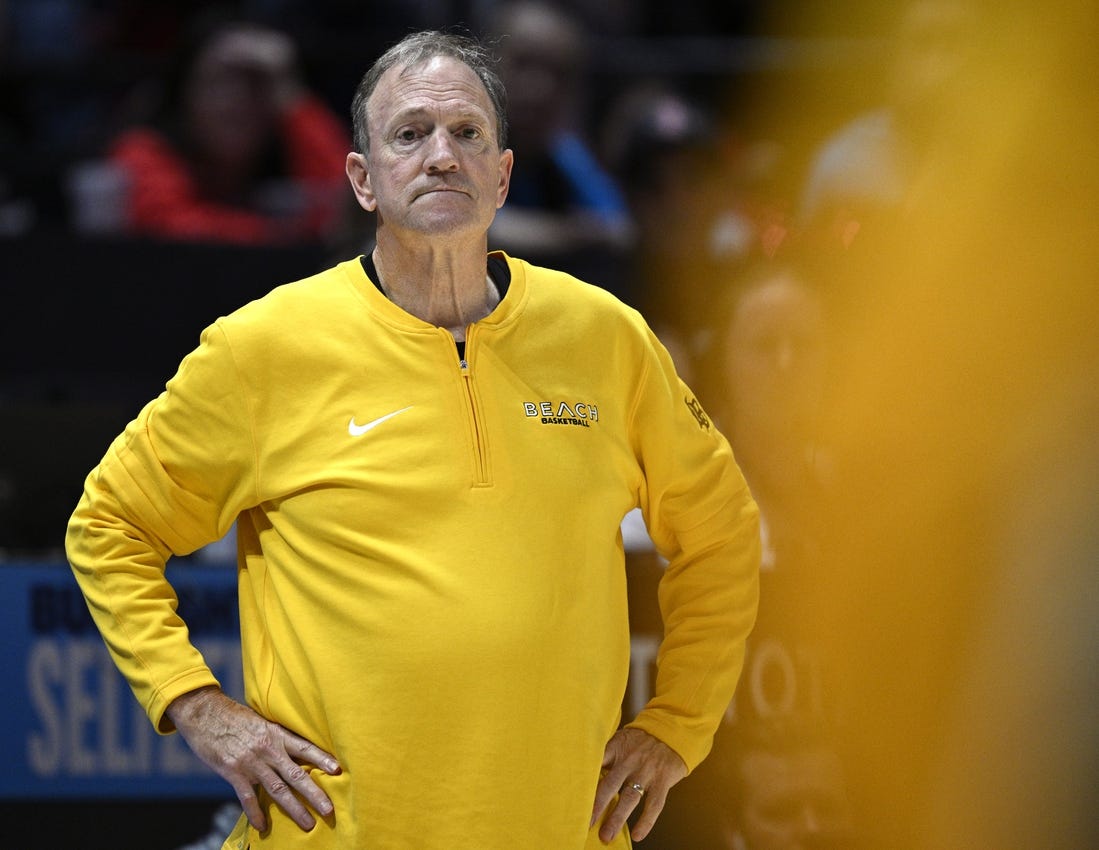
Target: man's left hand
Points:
(639, 769)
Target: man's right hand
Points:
(249, 751)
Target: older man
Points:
(428, 453)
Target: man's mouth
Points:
(438, 189)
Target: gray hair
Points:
(420, 47)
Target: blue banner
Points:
(73, 729)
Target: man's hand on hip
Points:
(637, 767)
(248, 751)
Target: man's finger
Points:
(299, 779)
(628, 800)
(301, 750)
(609, 784)
(306, 751)
(654, 805)
(249, 802)
(280, 792)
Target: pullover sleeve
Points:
(173, 481)
(703, 519)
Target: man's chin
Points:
(441, 222)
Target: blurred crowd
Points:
(874, 263)
(225, 121)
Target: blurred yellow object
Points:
(958, 584)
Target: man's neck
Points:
(446, 288)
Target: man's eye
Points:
(407, 135)
(470, 133)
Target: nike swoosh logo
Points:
(358, 430)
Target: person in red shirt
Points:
(239, 150)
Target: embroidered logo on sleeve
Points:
(697, 412)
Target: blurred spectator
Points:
(764, 375)
(660, 146)
(561, 199)
(237, 150)
(785, 789)
(700, 202)
(770, 361)
(869, 165)
(656, 143)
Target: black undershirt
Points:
(496, 267)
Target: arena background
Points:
(954, 598)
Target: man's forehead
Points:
(429, 83)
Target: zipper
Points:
(480, 461)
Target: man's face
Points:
(434, 167)
(793, 802)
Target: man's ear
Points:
(507, 159)
(359, 175)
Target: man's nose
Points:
(441, 154)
